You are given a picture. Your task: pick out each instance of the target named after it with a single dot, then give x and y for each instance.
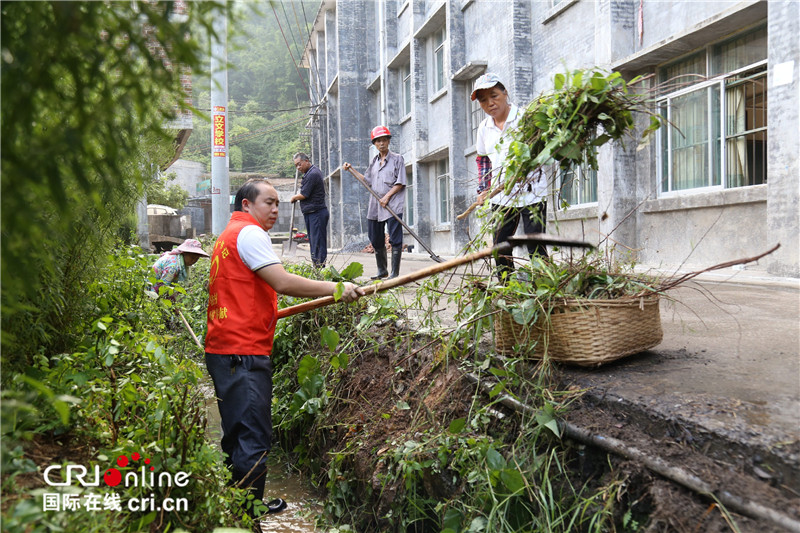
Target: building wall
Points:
(189, 174)
(783, 191)
(360, 47)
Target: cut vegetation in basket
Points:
(586, 312)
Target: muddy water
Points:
(303, 505)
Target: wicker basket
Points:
(585, 332)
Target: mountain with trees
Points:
(268, 100)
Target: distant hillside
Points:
(268, 101)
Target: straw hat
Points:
(191, 246)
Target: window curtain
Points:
(409, 212)
(443, 190)
(736, 144)
(568, 186)
(690, 139)
(579, 186)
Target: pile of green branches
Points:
(585, 110)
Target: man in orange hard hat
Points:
(386, 175)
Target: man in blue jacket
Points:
(314, 208)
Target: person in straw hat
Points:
(173, 266)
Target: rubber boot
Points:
(397, 253)
(380, 258)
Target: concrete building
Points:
(726, 186)
(189, 176)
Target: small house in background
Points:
(156, 209)
(196, 181)
(190, 176)
(168, 227)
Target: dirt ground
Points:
(670, 505)
(388, 396)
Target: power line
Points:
(252, 170)
(297, 46)
(269, 129)
(313, 59)
(297, 21)
(242, 137)
(264, 111)
(289, 29)
(300, 33)
(303, 81)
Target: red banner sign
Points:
(218, 136)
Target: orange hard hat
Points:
(379, 131)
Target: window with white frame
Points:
(716, 113)
(442, 188)
(438, 59)
(578, 185)
(474, 116)
(409, 213)
(405, 73)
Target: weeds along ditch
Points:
(373, 407)
(110, 436)
(377, 410)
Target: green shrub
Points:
(127, 387)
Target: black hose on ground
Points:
(655, 464)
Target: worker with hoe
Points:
(313, 207)
(244, 279)
(173, 266)
(527, 199)
(386, 175)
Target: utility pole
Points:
(220, 184)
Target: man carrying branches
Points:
(527, 199)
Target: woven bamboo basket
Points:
(584, 332)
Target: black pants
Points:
(534, 219)
(375, 231)
(317, 227)
(243, 386)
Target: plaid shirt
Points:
(484, 172)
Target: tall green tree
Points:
(88, 92)
(164, 192)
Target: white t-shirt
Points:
(255, 248)
(493, 142)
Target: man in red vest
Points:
(244, 278)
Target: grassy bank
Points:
(125, 401)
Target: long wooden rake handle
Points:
(476, 203)
(189, 328)
(400, 280)
(503, 247)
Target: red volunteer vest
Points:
(242, 308)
